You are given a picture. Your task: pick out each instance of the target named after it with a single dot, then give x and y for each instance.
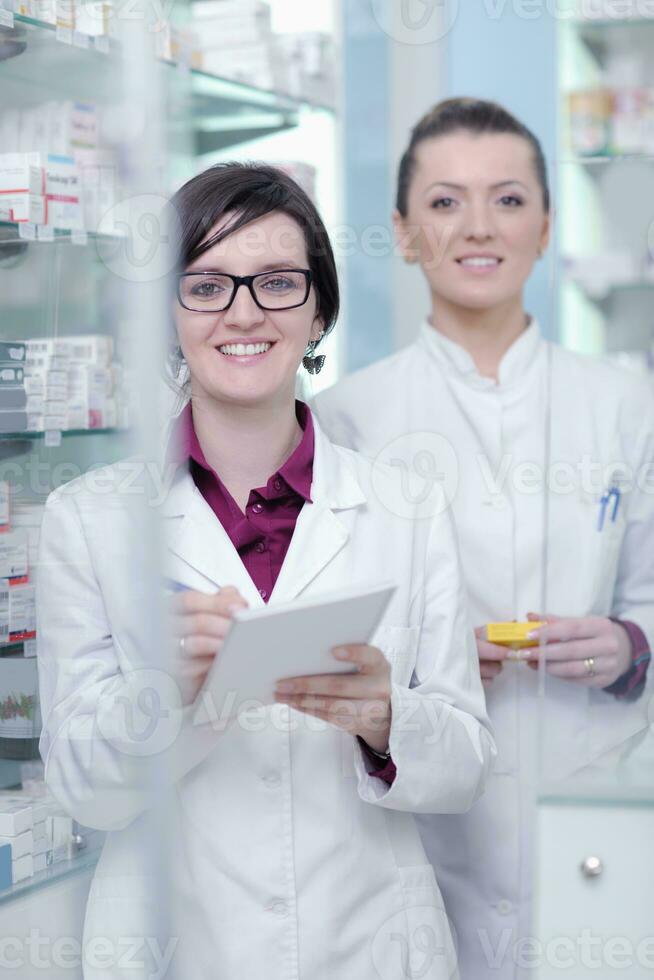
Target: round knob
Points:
(592, 867)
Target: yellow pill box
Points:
(512, 635)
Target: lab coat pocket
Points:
(417, 941)
(399, 644)
(608, 547)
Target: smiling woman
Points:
(479, 397)
(298, 852)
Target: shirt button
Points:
(271, 779)
(260, 546)
(504, 907)
(257, 508)
(263, 593)
(278, 908)
(277, 484)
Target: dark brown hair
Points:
(472, 116)
(250, 191)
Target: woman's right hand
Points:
(200, 623)
(491, 657)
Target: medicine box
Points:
(4, 505)
(20, 844)
(5, 867)
(15, 817)
(13, 554)
(22, 867)
(12, 351)
(512, 635)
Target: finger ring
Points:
(589, 664)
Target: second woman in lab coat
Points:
(545, 456)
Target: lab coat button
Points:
(499, 503)
(278, 908)
(504, 907)
(272, 779)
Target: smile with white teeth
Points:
(243, 350)
(479, 262)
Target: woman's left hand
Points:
(358, 703)
(592, 651)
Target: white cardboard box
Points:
(21, 844)
(15, 817)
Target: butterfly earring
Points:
(311, 361)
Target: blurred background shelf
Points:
(33, 58)
(67, 433)
(83, 861)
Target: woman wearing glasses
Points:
(546, 457)
(297, 856)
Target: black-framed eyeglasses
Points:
(214, 292)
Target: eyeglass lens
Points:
(213, 292)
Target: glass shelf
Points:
(616, 289)
(603, 159)
(43, 62)
(598, 35)
(86, 860)
(10, 233)
(11, 436)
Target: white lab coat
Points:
(291, 861)
(486, 443)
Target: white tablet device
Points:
(288, 640)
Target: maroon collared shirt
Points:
(263, 533)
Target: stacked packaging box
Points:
(41, 188)
(236, 38)
(73, 383)
(38, 833)
(92, 17)
(57, 174)
(307, 63)
(238, 42)
(13, 397)
(17, 554)
(608, 121)
(16, 830)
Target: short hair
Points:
(472, 116)
(251, 191)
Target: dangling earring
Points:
(311, 361)
(175, 359)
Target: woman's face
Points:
(246, 355)
(475, 221)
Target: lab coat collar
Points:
(195, 536)
(453, 357)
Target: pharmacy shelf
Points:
(85, 860)
(603, 298)
(35, 56)
(12, 232)
(606, 159)
(598, 35)
(11, 436)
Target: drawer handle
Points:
(592, 867)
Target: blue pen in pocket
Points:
(613, 493)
